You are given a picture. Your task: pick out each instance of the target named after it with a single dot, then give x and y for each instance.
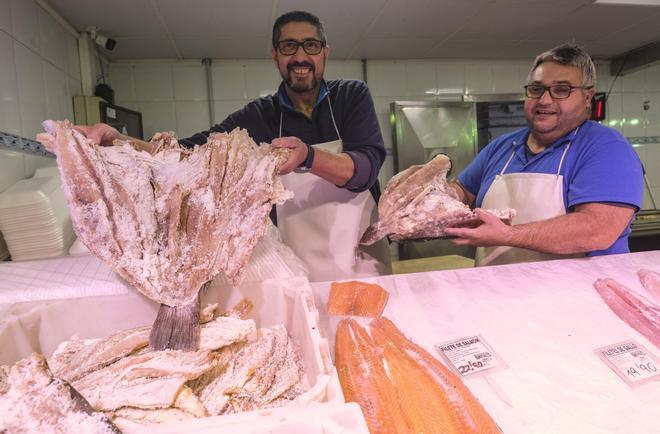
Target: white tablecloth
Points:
(544, 319)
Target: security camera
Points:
(100, 39)
(105, 42)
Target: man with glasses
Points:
(574, 183)
(338, 150)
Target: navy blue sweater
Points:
(354, 113)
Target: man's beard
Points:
(298, 86)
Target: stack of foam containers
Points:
(34, 218)
(38, 326)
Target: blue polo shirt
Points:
(600, 166)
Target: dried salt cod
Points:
(35, 402)
(151, 380)
(256, 375)
(418, 203)
(76, 358)
(169, 221)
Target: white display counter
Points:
(544, 320)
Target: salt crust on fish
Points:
(169, 221)
(256, 374)
(75, 358)
(418, 203)
(35, 402)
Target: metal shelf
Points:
(17, 143)
(643, 140)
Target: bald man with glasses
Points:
(574, 183)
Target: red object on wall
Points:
(598, 106)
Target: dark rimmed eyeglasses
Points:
(289, 47)
(557, 91)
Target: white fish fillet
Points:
(260, 372)
(418, 203)
(651, 281)
(638, 312)
(151, 380)
(76, 358)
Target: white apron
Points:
(323, 225)
(534, 196)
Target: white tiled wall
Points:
(39, 74)
(172, 96)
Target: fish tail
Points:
(176, 328)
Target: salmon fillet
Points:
(363, 380)
(400, 387)
(357, 299)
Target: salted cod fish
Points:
(169, 221)
(418, 203)
(75, 358)
(35, 402)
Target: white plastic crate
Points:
(42, 326)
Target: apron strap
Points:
(561, 162)
(507, 162)
(333, 118)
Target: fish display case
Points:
(542, 322)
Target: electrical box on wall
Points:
(598, 106)
(90, 110)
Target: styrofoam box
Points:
(42, 326)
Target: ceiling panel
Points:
(389, 48)
(224, 48)
(339, 17)
(479, 49)
(218, 19)
(370, 29)
(495, 21)
(424, 18)
(141, 48)
(116, 18)
(592, 21)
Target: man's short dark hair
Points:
(297, 17)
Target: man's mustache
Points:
(292, 65)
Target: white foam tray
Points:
(41, 326)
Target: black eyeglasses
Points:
(289, 47)
(557, 91)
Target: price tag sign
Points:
(470, 356)
(632, 362)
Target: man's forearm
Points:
(138, 144)
(591, 227)
(335, 168)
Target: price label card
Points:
(470, 356)
(632, 362)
